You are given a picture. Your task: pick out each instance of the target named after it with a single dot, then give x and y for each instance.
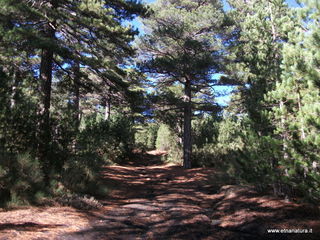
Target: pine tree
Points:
(67, 35)
(18, 88)
(259, 31)
(298, 97)
(183, 46)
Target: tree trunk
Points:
(278, 185)
(76, 104)
(76, 96)
(284, 134)
(303, 133)
(107, 110)
(187, 145)
(45, 102)
(180, 133)
(44, 128)
(16, 80)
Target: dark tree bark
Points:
(76, 103)
(187, 144)
(45, 99)
(44, 128)
(107, 110)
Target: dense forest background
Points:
(80, 89)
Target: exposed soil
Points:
(150, 200)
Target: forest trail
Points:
(150, 200)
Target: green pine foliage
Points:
(146, 136)
(99, 143)
(270, 135)
(296, 101)
(164, 138)
(205, 133)
(17, 185)
(205, 130)
(182, 47)
(244, 152)
(256, 41)
(60, 61)
(259, 30)
(167, 141)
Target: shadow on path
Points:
(150, 200)
(145, 159)
(27, 226)
(169, 202)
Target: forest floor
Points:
(151, 200)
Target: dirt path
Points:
(166, 202)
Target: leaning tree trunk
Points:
(45, 101)
(187, 145)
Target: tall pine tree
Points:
(298, 96)
(182, 45)
(66, 35)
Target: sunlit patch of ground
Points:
(157, 152)
(41, 223)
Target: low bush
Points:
(168, 141)
(146, 136)
(100, 142)
(81, 174)
(21, 179)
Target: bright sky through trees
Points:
(137, 23)
(225, 91)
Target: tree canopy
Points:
(183, 46)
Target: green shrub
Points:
(205, 131)
(152, 131)
(111, 140)
(99, 142)
(249, 157)
(175, 154)
(205, 156)
(164, 138)
(146, 136)
(167, 140)
(81, 173)
(21, 178)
